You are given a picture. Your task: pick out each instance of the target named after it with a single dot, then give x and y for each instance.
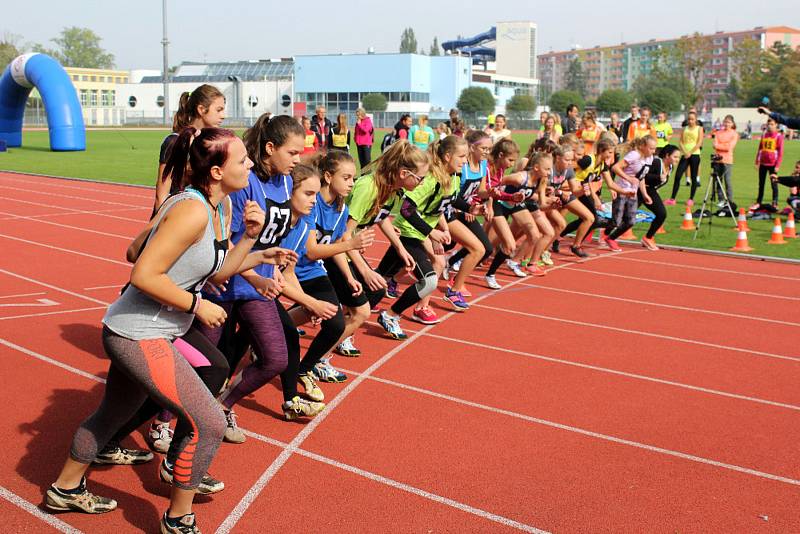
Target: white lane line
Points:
(12, 216)
(51, 361)
(69, 251)
(401, 486)
(594, 294)
(44, 314)
(295, 444)
(23, 295)
(73, 211)
(39, 303)
(71, 197)
(592, 434)
(80, 228)
(681, 284)
(34, 510)
(111, 286)
(626, 374)
(55, 182)
(50, 286)
(639, 332)
(711, 269)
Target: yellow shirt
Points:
(690, 137)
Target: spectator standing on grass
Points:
(690, 145)
(724, 145)
(453, 120)
(311, 143)
(768, 161)
(615, 126)
(321, 126)
(340, 134)
(626, 124)
(548, 130)
(499, 131)
(364, 137)
(421, 134)
(663, 130)
(571, 122)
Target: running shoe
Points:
(328, 373)
(649, 243)
(347, 348)
(491, 281)
(122, 456)
(391, 325)
(456, 266)
(425, 315)
(556, 246)
(233, 434)
(578, 251)
(159, 437)
(299, 407)
(391, 288)
(540, 264)
(208, 484)
(309, 382)
(456, 300)
(464, 292)
(185, 524)
(613, 245)
(514, 268)
(535, 270)
(546, 258)
(688, 181)
(446, 272)
(669, 202)
(79, 499)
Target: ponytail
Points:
(386, 169)
(437, 152)
(189, 102)
(193, 154)
(268, 129)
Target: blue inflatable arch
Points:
(64, 117)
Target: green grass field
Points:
(130, 156)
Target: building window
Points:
(75, 77)
(84, 97)
(117, 79)
(105, 99)
(84, 78)
(124, 79)
(93, 98)
(93, 78)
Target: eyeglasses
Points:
(416, 177)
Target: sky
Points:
(206, 30)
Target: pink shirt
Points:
(364, 131)
(770, 150)
(725, 143)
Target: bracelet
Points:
(193, 305)
(196, 305)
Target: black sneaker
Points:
(185, 524)
(122, 456)
(208, 485)
(78, 500)
(578, 251)
(556, 246)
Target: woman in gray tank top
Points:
(186, 247)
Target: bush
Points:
(614, 100)
(561, 99)
(476, 100)
(374, 102)
(521, 104)
(661, 99)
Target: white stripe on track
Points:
(70, 197)
(79, 228)
(73, 211)
(51, 361)
(51, 286)
(34, 510)
(69, 251)
(44, 314)
(55, 182)
(19, 295)
(711, 269)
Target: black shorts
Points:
(504, 210)
(342, 288)
(532, 206)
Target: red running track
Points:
(633, 392)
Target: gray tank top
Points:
(137, 316)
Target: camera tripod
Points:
(714, 183)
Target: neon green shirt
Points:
(431, 200)
(362, 199)
(663, 133)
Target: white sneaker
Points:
(491, 281)
(514, 268)
(456, 266)
(446, 272)
(546, 259)
(159, 437)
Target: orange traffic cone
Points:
(741, 221)
(628, 235)
(661, 230)
(790, 231)
(688, 222)
(777, 234)
(741, 243)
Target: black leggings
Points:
(423, 271)
(587, 201)
(212, 375)
(476, 228)
(693, 163)
(658, 209)
(364, 155)
(330, 329)
(763, 175)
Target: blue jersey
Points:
(273, 197)
(330, 225)
(296, 238)
(471, 181)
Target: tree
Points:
(408, 42)
(79, 47)
(559, 100)
(476, 100)
(661, 99)
(374, 102)
(521, 103)
(8, 51)
(748, 65)
(752, 98)
(575, 77)
(435, 51)
(784, 99)
(732, 93)
(614, 100)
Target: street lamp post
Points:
(165, 76)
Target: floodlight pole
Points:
(165, 76)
